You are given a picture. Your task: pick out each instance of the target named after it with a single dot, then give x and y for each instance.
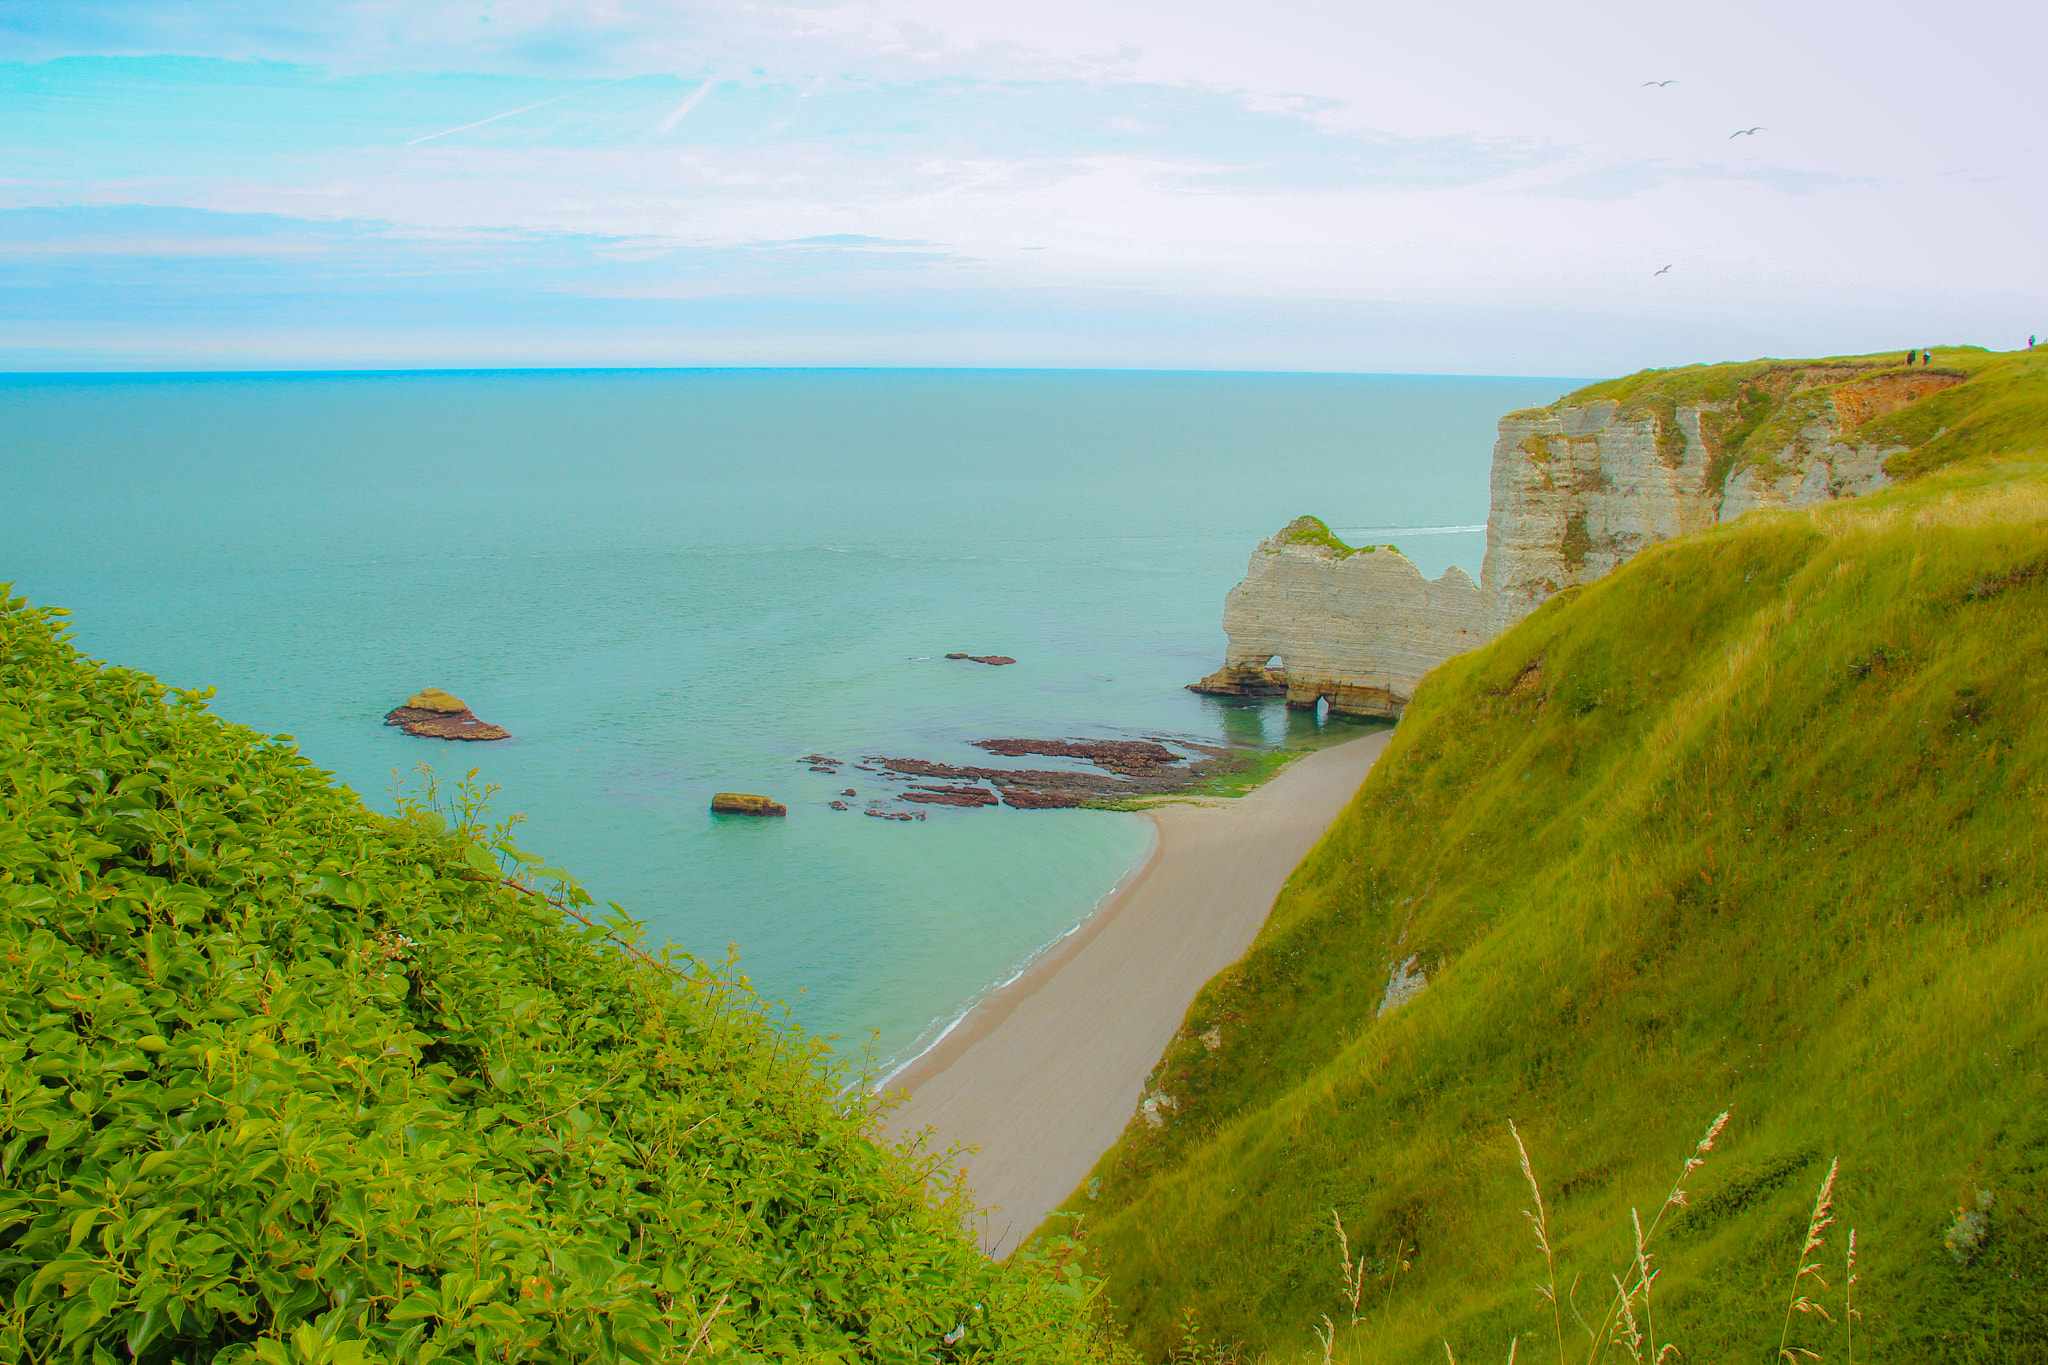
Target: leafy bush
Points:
(284, 1080)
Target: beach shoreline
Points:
(1043, 1073)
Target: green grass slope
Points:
(1753, 824)
(283, 1080)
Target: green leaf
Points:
(421, 1304)
(81, 1226)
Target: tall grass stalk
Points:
(1354, 1274)
(1624, 1293)
(1626, 1331)
(1823, 1214)
(1619, 1324)
(1645, 1277)
(1849, 1295)
(1539, 1223)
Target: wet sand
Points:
(1043, 1075)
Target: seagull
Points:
(1672, 81)
(1665, 271)
(1745, 132)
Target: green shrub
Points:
(284, 1080)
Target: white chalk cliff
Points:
(1577, 488)
(1356, 627)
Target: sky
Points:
(1344, 185)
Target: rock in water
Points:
(433, 714)
(745, 803)
(1358, 626)
(995, 660)
(952, 796)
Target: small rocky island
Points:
(995, 660)
(433, 714)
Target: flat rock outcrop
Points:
(1126, 768)
(996, 660)
(1127, 756)
(434, 714)
(951, 796)
(745, 803)
(1316, 619)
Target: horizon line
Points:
(7, 373)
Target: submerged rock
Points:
(951, 796)
(1024, 798)
(745, 803)
(1127, 756)
(434, 714)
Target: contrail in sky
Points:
(510, 112)
(676, 114)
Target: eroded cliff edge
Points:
(1577, 488)
(1604, 472)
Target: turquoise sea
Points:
(667, 583)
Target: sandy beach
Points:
(1043, 1075)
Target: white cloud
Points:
(1481, 156)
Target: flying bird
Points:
(1672, 81)
(1665, 271)
(1746, 132)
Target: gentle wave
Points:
(918, 1049)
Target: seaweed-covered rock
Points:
(745, 803)
(434, 714)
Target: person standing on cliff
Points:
(1911, 357)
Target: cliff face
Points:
(1358, 627)
(1580, 486)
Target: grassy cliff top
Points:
(1311, 532)
(1723, 383)
(1760, 407)
(288, 1081)
(1754, 825)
